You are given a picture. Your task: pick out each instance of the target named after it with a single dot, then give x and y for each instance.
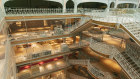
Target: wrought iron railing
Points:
(90, 67)
(103, 48)
(32, 11)
(127, 66)
(81, 22)
(132, 51)
(41, 11)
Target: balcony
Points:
(44, 11)
(58, 32)
(42, 69)
(45, 51)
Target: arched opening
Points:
(112, 5)
(19, 6)
(70, 6)
(92, 5)
(32, 4)
(126, 5)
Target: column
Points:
(45, 22)
(65, 70)
(137, 6)
(116, 4)
(127, 5)
(107, 9)
(64, 40)
(64, 6)
(75, 8)
(66, 73)
(2, 6)
(108, 6)
(74, 39)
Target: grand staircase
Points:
(133, 29)
(93, 70)
(82, 27)
(134, 65)
(128, 65)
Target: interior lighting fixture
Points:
(49, 66)
(18, 24)
(26, 67)
(40, 63)
(55, 59)
(59, 63)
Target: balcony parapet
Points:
(48, 68)
(127, 66)
(27, 58)
(43, 35)
(93, 70)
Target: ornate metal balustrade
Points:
(81, 22)
(127, 66)
(104, 48)
(90, 67)
(43, 11)
(32, 11)
(133, 51)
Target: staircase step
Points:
(134, 65)
(135, 30)
(127, 57)
(132, 27)
(136, 68)
(132, 62)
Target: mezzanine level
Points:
(34, 56)
(114, 17)
(48, 34)
(43, 69)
